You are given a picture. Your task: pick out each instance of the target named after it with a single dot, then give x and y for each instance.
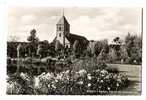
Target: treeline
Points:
(128, 50)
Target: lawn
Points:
(134, 75)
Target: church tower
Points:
(62, 30)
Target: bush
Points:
(98, 81)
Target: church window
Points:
(59, 28)
(59, 34)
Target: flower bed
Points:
(82, 82)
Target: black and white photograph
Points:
(74, 51)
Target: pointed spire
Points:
(63, 11)
(63, 19)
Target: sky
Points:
(92, 23)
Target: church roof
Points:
(72, 37)
(63, 20)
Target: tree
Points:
(112, 55)
(76, 48)
(117, 47)
(105, 48)
(97, 48)
(19, 50)
(43, 49)
(40, 50)
(134, 47)
(33, 42)
(32, 37)
(88, 51)
(117, 40)
(129, 41)
(123, 54)
(75, 45)
(101, 46)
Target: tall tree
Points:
(134, 47)
(97, 48)
(33, 42)
(101, 46)
(32, 37)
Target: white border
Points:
(61, 3)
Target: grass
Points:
(134, 75)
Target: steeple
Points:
(63, 12)
(63, 25)
(62, 30)
(63, 20)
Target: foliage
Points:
(32, 37)
(43, 49)
(101, 46)
(58, 46)
(76, 48)
(68, 82)
(117, 40)
(112, 56)
(97, 48)
(134, 48)
(33, 43)
(20, 84)
(130, 51)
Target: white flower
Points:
(24, 76)
(119, 80)
(89, 84)
(53, 86)
(36, 82)
(89, 76)
(13, 87)
(108, 88)
(49, 76)
(42, 75)
(59, 76)
(67, 78)
(106, 77)
(66, 72)
(104, 72)
(77, 75)
(80, 82)
(56, 80)
(97, 79)
(82, 72)
(49, 85)
(101, 81)
(102, 75)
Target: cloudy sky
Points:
(93, 23)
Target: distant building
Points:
(64, 36)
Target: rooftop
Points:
(63, 20)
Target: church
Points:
(66, 38)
